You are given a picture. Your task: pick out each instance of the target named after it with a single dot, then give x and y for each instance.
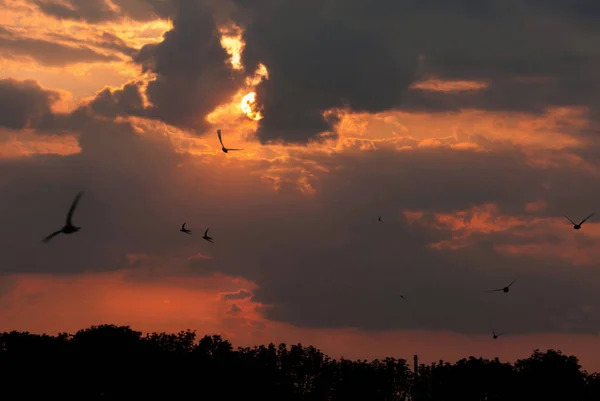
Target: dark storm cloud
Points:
(48, 53)
(193, 75)
(97, 11)
(338, 267)
(24, 103)
(364, 55)
(323, 262)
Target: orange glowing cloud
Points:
(27, 143)
(536, 207)
(437, 85)
(486, 220)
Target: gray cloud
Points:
(193, 75)
(24, 103)
(28, 105)
(46, 52)
(120, 102)
(325, 261)
(139, 190)
(364, 56)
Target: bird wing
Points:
(73, 206)
(571, 220)
(512, 282)
(234, 149)
(206, 232)
(498, 289)
(54, 234)
(501, 334)
(584, 220)
(220, 140)
(183, 226)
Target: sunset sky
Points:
(471, 127)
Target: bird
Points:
(223, 148)
(379, 218)
(206, 237)
(505, 289)
(494, 335)
(402, 296)
(68, 228)
(185, 230)
(577, 226)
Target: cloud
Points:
(193, 75)
(297, 224)
(140, 187)
(235, 310)
(97, 11)
(25, 103)
(48, 52)
(364, 57)
(127, 101)
(104, 40)
(236, 295)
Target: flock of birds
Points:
(70, 228)
(506, 289)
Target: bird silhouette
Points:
(379, 218)
(223, 148)
(505, 289)
(402, 296)
(206, 237)
(577, 226)
(185, 230)
(494, 335)
(68, 228)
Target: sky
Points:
(471, 127)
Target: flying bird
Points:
(494, 335)
(223, 148)
(68, 228)
(402, 296)
(505, 289)
(206, 237)
(379, 218)
(185, 230)
(577, 226)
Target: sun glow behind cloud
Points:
(245, 99)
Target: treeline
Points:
(115, 362)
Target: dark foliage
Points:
(115, 362)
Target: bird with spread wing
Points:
(223, 148)
(68, 228)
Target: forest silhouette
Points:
(116, 362)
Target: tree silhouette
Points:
(118, 363)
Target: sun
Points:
(249, 107)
